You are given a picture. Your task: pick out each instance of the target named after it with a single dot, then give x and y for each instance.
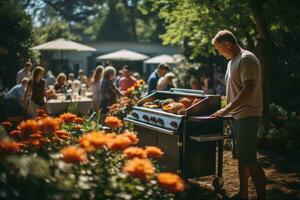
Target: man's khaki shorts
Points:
(245, 131)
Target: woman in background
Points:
(61, 83)
(95, 85)
(166, 82)
(35, 92)
(109, 92)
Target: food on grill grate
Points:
(186, 102)
(151, 105)
(181, 112)
(167, 101)
(173, 107)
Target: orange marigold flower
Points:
(48, 124)
(171, 182)
(134, 152)
(68, 117)
(28, 127)
(8, 146)
(73, 154)
(77, 127)
(132, 136)
(141, 81)
(45, 140)
(120, 142)
(6, 125)
(36, 135)
(113, 122)
(61, 132)
(154, 152)
(94, 140)
(34, 143)
(15, 133)
(65, 137)
(78, 120)
(139, 168)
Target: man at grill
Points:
(244, 97)
(161, 71)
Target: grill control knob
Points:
(160, 121)
(135, 115)
(145, 117)
(173, 124)
(153, 119)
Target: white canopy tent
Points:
(161, 59)
(62, 45)
(123, 55)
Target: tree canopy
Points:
(110, 20)
(15, 39)
(269, 28)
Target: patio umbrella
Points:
(62, 45)
(160, 59)
(123, 55)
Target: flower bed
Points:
(69, 158)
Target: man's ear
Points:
(227, 44)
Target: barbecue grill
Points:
(189, 141)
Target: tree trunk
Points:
(265, 50)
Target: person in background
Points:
(117, 79)
(195, 84)
(25, 72)
(14, 99)
(50, 78)
(219, 82)
(207, 84)
(35, 92)
(161, 71)
(244, 98)
(61, 83)
(126, 81)
(166, 82)
(108, 91)
(82, 77)
(95, 85)
(71, 78)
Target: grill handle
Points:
(155, 128)
(187, 91)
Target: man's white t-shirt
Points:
(244, 66)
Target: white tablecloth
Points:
(55, 107)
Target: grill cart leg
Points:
(218, 180)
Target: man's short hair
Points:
(224, 36)
(163, 66)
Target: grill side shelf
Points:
(204, 118)
(210, 137)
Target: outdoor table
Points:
(55, 106)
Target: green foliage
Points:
(15, 40)
(55, 30)
(88, 20)
(193, 23)
(115, 25)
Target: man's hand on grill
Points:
(220, 113)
